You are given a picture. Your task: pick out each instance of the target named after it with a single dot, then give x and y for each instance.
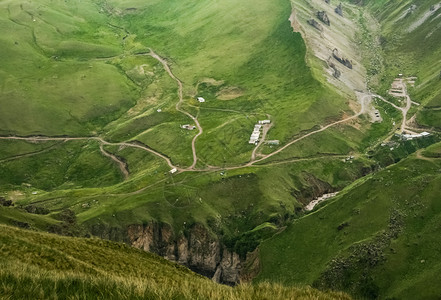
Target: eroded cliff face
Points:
(198, 250)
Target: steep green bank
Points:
(44, 266)
(410, 40)
(376, 239)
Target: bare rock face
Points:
(182, 250)
(339, 10)
(344, 61)
(141, 237)
(153, 238)
(229, 264)
(323, 16)
(315, 24)
(336, 72)
(311, 188)
(204, 250)
(198, 249)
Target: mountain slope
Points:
(106, 87)
(376, 239)
(97, 93)
(52, 267)
(410, 39)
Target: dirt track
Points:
(122, 165)
(363, 100)
(178, 105)
(95, 138)
(253, 160)
(400, 84)
(266, 127)
(362, 110)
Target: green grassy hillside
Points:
(83, 71)
(44, 266)
(87, 74)
(94, 94)
(376, 239)
(405, 27)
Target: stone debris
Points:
(322, 16)
(314, 202)
(339, 10)
(315, 24)
(344, 61)
(336, 72)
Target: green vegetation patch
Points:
(376, 230)
(72, 164)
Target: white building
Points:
(188, 127)
(174, 170)
(201, 100)
(265, 122)
(409, 137)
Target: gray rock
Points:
(198, 249)
(322, 16)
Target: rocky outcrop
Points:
(339, 10)
(315, 24)
(198, 249)
(344, 61)
(336, 72)
(228, 268)
(323, 16)
(311, 188)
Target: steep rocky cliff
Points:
(197, 249)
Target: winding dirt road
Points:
(95, 138)
(122, 165)
(178, 105)
(363, 98)
(266, 127)
(401, 85)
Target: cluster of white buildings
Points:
(254, 138)
(408, 137)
